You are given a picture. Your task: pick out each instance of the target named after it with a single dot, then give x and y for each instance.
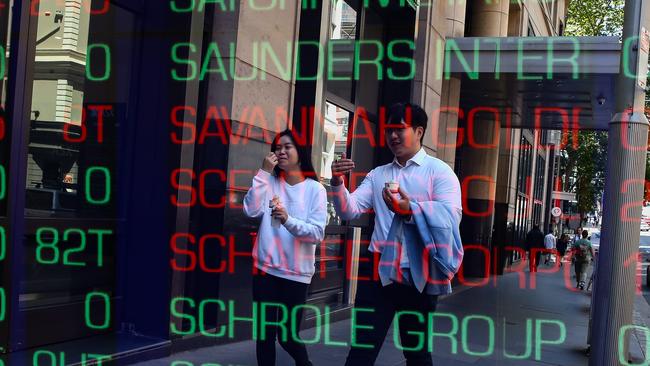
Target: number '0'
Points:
(107, 185)
(107, 62)
(107, 310)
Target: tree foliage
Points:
(584, 168)
(595, 18)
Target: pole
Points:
(614, 290)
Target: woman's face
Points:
(287, 154)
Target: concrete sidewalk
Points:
(511, 303)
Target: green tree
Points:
(584, 167)
(595, 18)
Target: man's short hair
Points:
(411, 114)
(585, 233)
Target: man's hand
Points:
(339, 168)
(280, 213)
(401, 206)
(269, 163)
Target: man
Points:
(549, 244)
(67, 180)
(562, 245)
(577, 236)
(534, 244)
(422, 179)
(583, 252)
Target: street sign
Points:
(556, 212)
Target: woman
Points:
(293, 206)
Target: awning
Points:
(563, 196)
(558, 78)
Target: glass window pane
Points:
(331, 249)
(80, 98)
(340, 79)
(335, 137)
(77, 103)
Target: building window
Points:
(554, 18)
(73, 160)
(344, 21)
(514, 20)
(335, 137)
(339, 94)
(539, 178)
(524, 182)
(531, 31)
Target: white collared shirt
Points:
(423, 178)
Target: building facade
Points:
(136, 128)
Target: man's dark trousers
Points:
(533, 260)
(385, 303)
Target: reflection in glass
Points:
(76, 102)
(328, 253)
(61, 43)
(343, 33)
(81, 90)
(335, 137)
(344, 21)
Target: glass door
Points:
(330, 256)
(76, 149)
(328, 282)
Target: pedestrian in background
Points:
(562, 244)
(534, 240)
(549, 244)
(583, 253)
(577, 234)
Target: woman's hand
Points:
(269, 163)
(280, 213)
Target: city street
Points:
(510, 304)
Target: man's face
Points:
(404, 141)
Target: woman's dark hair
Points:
(304, 156)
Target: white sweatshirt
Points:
(289, 250)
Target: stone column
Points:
(480, 152)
